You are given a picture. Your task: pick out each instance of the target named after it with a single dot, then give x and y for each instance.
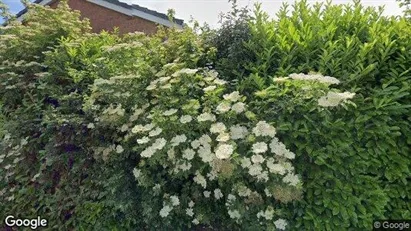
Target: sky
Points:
(209, 10)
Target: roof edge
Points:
(124, 8)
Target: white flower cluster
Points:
(170, 112)
(114, 111)
(280, 224)
(204, 148)
(185, 119)
(177, 140)
(141, 129)
(185, 71)
(218, 128)
(200, 179)
(208, 146)
(168, 207)
(157, 145)
(136, 114)
(206, 117)
(315, 77)
(279, 149)
(260, 147)
(262, 172)
(264, 129)
(224, 151)
(268, 214)
(333, 99)
(225, 106)
(238, 132)
(218, 194)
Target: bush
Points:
(355, 163)
(229, 40)
(103, 131)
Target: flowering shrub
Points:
(204, 157)
(354, 161)
(117, 132)
(203, 154)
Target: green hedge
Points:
(70, 101)
(356, 163)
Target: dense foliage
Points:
(355, 163)
(181, 130)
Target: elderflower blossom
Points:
(219, 81)
(209, 88)
(280, 224)
(155, 132)
(275, 168)
(279, 149)
(136, 114)
(90, 125)
(257, 159)
(224, 151)
(191, 204)
(195, 144)
(223, 137)
(140, 128)
(238, 107)
(136, 173)
(185, 166)
(218, 194)
(255, 170)
(238, 132)
(196, 222)
(185, 119)
(207, 194)
(245, 162)
(333, 99)
(259, 147)
(159, 143)
(206, 117)
(188, 154)
(187, 71)
(217, 128)
(263, 176)
(268, 214)
(119, 149)
(165, 211)
(175, 141)
(171, 154)
(174, 200)
(223, 107)
(170, 112)
(205, 139)
(190, 212)
(234, 96)
(148, 152)
(124, 128)
(234, 214)
(267, 192)
(291, 179)
(212, 175)
(201, 180)
(205, 154)
(143, 140)
(243, 191)
(262, 128)
(315, 77)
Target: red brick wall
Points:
(102, 18)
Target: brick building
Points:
(107, 14)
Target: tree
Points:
(407, 7)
